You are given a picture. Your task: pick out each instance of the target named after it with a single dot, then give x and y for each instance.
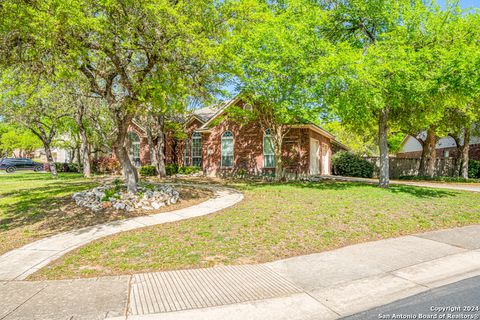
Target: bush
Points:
(68, 167)
(171, 169)
(188, 170)
(351, 165)
(148, 171)
(64, 167)
(473, 169)
(105, 165)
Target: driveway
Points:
(474, 187)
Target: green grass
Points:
(274, 222)
(31, 205)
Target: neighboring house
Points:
(58, 154)
(220, 146)
(446, 147)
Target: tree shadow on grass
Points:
(32, 205)
(415, 191)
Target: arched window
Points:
(227, 150)
(197, 149)
(135, 140)
(268, 151)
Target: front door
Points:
(325, 159)
(314, 156)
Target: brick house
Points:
(220, 146)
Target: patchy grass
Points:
(34, 206)
(274, 221)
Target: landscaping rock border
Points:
(101, 197)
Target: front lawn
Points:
(34, 206)
(273, 222)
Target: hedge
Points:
(473, 169)
(148, 171)
(351, 165)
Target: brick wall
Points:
(474, 153)
(248, 148)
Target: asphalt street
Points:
(460, 300)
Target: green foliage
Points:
(188, 170)
(351, 165)
(473, 169)
(171, 169)
(362, 144)
(68, 167)
(17, 138)
(112, 193)
(148, 171)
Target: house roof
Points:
(204, 114)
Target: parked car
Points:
(10, 165)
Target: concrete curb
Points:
(18, 264)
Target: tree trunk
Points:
(129, 171)
(151, 146)
(160, 147)
(277, 141)
(85, 152)
(465, 150)
(458, 159)
(384, 178)
(156, 141)
(429, 154)
(51, 163)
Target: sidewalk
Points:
(327, 285)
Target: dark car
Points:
(11, 165)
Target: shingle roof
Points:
(206, 113)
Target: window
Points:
(197, 149)
(186, 153)
(268, 151)
(446, 153)
(227, 150)
(135, 140)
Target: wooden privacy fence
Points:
(409, 166)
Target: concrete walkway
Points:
(20, 263)
(474, 187)
(327, 285)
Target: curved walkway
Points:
(18, 264)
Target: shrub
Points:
(148, 170)
(171, 169)
(64, 167)
(105, 165)
(473, 169)
(349, 164)
(188, 170)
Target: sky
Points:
(465, 3)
